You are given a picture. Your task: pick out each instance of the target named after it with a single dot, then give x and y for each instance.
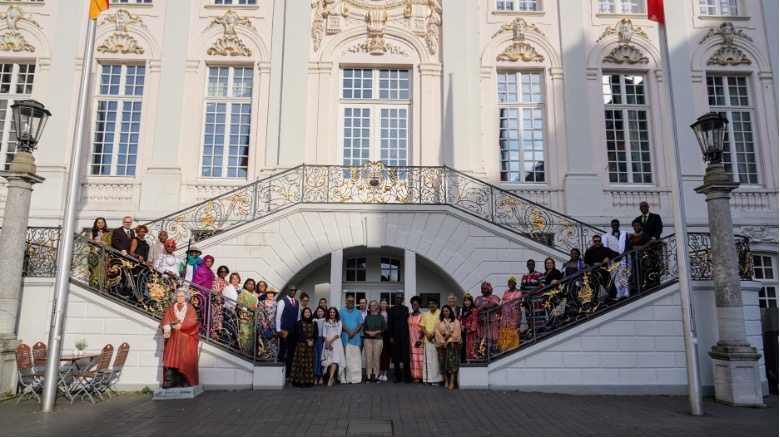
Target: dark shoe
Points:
(170, 379)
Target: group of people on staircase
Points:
(325, 345)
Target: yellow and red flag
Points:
(96, 7)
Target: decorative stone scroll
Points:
(728, 56)
(229, 21)
(123, 18)
(625, 30)
(518, 27)
(518, 51)
(15, 42)
(229, 46)
(120, 43)
(626, 53)
(728, 32)
(376, 46)
(14, 15)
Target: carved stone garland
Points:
(121, 41)
(728, 53)
(421, 17)
(625, 52)
(230, 44)
(519, 48)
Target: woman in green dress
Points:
(246, 307)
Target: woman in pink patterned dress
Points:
(509, 332)
(468, 319)
(484, 303)
(415, 340)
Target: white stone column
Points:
(410, 275)
(336, 278)
(734, 360)
(21, 177)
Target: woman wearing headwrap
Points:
(511, 316)
(204, 277)
(488, 336)
(167, 263)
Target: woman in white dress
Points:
(332, 351)
(167, 263)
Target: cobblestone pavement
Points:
(384, 410)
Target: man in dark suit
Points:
(398, 327)
(651, 222)
(653, 226)
(121, 237)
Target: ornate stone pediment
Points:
(229, 46)
(519, 27)
(14, 15)
(15, 42)
(376, 46)
(728, 55)
(421, 17)
(123, 18)
(626, 53)
(727, 32)
(517, 51)
(625, 30)
(229, 21)
(120, 43)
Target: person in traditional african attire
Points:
(217, 302)
(246, 307)
(511, 316)
(468, 321)
(488, 334)
(416, 352)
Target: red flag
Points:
(655, 11)
(96, 7)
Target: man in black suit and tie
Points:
(121, 237)
(653, 226)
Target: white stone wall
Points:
(100, 321)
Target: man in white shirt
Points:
(617, 241)
(157, 248)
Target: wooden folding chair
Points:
(30, 380)
(39, 356)
(111, 376)
(88, 381)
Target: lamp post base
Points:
(8, 344)
(737, 375)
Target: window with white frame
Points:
(16, 83)
(389, 269)
(517, 5)
(117, 120)
(521, 126)
(227, 121)
(727, 8)
(375, 116)
(355, 269)
(621, 6)
(764, 271)
(626, 110)
(132, 1)
(234, 2)
(729, 96)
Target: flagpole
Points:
(60, 304)
(680, 230)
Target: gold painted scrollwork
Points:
(229, 46)
(120, 43)
(518, 51)
(15, 42)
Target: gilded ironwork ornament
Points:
(625, 31)
(625, 53)
(229, 46)
(15, 42)
(229, 21)
(13, 15)
(123, 18)
(518, 27)
(120, 43)
(517, 51)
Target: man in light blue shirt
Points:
(352, 324)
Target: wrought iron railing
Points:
(374, 183)
(700, 257)
(586, 294)
(235, 326)
(40, 253)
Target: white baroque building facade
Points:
(570, 104)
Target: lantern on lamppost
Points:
(29, 118)
(735, 363)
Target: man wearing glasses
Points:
(121, 237)
(288, 313)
